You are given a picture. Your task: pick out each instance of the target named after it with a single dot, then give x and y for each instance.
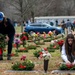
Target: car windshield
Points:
(40, 24)
(49, 25)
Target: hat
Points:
(1, 16)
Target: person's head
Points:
(1, 16)
(70, 39)
(70, 44)
(68, 20)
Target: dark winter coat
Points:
(6, 27)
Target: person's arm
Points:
(63, 54)
(73, 63)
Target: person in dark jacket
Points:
(7, 28)
(69, 26)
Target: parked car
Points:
(42, 27)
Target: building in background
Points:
(49, 19)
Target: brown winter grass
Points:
(54, 62)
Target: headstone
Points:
(63, 72)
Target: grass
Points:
(6, 65)
(53, 63)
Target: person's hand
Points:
(68, 63)
(7, 39)
(73, 63)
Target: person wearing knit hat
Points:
(1, 16)
(7, 28)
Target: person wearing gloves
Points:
(6, 28)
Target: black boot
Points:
(1, 57)
(9, 57)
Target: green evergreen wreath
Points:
(2, 41)
(26, 64)
(24, 34)
(66, 67)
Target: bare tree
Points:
(55, 9)
(18, 7)
(31, 8)
(42, 7)
(68, 7)
(1, 5)
(26, 9)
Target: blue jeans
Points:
(69, 30)
(10, 44)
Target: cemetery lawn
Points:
(54, 62)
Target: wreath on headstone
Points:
(24, 37)
(67, 67)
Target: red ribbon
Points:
(0, 51)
